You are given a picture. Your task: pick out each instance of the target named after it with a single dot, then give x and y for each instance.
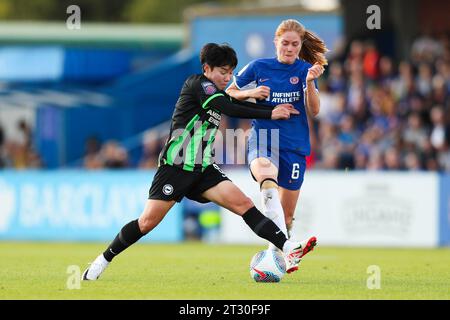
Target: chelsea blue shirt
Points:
(287, 83)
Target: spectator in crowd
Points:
(336, 80)
(424, 79)
(444, 156)
(91, 159)
(412, 161)
(439, 129)
(426, 48)
(348, 138)
(2, 152)
(375, 162)
(114, 156)
(151, 148)
(415, 135)
(18, 152)
(387, 75)
(371, 61)
(360, 159)
(392, 159)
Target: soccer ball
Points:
(267, 266)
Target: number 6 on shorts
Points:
(295, 171)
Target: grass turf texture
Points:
(201, 271)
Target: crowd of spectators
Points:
(379, 115)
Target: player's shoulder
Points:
(265, 62)
(274, 64)
(201, 84)
(259, 63)
(303, 65)
(197, 81)
(193, 79)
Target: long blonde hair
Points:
(313, 48)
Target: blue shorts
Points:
(291, 165)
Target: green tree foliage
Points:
(157, 10)
(26, 10)
(137, 11)
(55, 10)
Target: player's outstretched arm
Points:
(248, 110)
(259, 93)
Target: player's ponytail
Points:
(313, 48)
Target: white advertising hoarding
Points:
(353, 209)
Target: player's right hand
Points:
(260, 93)
(283, 111)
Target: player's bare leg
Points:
(151, 216)
(289, 199)
(226, 194)
(154, 212)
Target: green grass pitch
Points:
(208, 272)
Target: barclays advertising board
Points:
(78, 205)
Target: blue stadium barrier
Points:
(444, 210)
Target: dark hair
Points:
(216, 55)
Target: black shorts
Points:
(173, 183)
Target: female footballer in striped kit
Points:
(186, 166)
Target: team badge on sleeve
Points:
(209, 88)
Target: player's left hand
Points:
(283, 111)
(289, 107)
(314, 72)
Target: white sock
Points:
(289, 231)
(273, 210)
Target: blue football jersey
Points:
(287, 84)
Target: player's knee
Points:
(147, 223)
(262, 169)
(243, 204)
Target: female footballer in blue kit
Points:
(277, 157)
